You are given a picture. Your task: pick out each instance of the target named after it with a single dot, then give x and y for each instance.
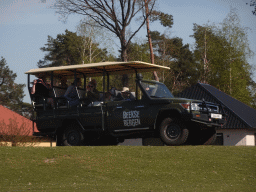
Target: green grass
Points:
(123, 168)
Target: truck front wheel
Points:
(72, 136)
(173, 132)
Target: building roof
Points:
(239, 115)
(7, 114)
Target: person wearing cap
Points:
(125, 94)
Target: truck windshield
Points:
(156, 90)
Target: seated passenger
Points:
(125, 94)
(71, 93)
(42, 89)
(63, 82)
(113, 92)
(108, 97)
(93, 93)
(40, 86)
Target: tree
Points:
(67, 49)
(138, 52)
(11, 93)
(222, 53)
(171, 52)
(239, 53)
(166, 20)
(207, 45)
(92, 36)
(253, 4)
(113, 15)
(64, 50)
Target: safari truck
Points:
(152, 112)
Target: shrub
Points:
(16, 133)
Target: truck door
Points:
(127, 116)
(91, 116)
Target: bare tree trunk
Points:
(150, 41)
(125, 78)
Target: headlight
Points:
(195, 107)
(204, 107)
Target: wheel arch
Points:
(174, 113)
(67, 122)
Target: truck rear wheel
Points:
(173, 132)
(72, 136)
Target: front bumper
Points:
(206, 119)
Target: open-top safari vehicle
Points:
(152, 112)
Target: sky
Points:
(26, 24)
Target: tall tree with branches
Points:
(228, 52)
(165, 19)
(11, 93)
(93, 37)
(114, 15)
(253, 4)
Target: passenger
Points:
(63, 82)
(125, 94)
(113, 92)
(41, 89)
(92, 92)
(40, 86)
(108, 97)
(71, 93)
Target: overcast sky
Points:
(25, 25)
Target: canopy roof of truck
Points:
(96, 69)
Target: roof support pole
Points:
(75, 78)
(103, 106)
(107, 81)
(28, 82)
(104, 84)
(84, 81)
(52, 79)
(136, 85)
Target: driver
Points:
(126, 94)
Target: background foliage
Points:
(11, 93)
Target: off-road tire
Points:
(173, 132)
(72, 136)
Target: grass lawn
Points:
(124, 168)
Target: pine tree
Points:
(11, 93)
(67, 49)
(173, 53)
